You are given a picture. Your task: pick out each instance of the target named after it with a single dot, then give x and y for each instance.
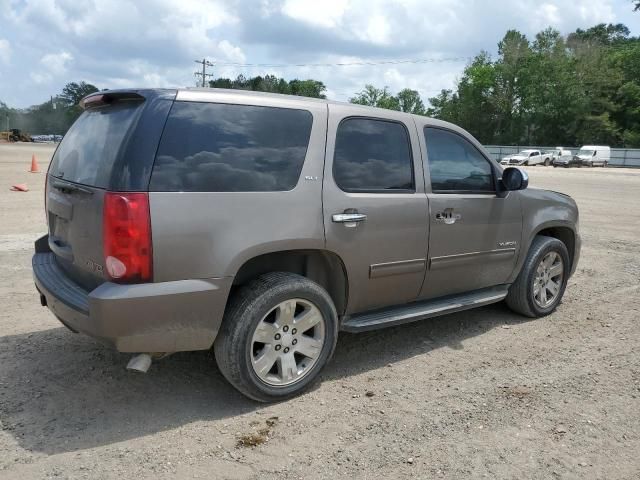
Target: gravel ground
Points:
(482, 393)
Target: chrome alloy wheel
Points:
(287, 342)
(548, 280)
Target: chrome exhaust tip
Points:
(140, 363)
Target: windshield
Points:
(90, 148)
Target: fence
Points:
(620, 157)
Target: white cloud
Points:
(326, 14)
(231, 53)
(52, 65)
(56, 63)
(124, 43)
(378, 29)
(5, 51)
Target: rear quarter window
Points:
(213, 147)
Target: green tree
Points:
(73, 92)
(476, 106)
(307, 88)
(376, 97)
(410, 101)
(578, 89)
(271, 83)
(508, 95)
(70, 98)
(444, 106)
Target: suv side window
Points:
(215, 147)
(373, 156)
(455, 165)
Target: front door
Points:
(375, 208)
(475, 233)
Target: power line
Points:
(345, 64)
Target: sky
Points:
(153, 43)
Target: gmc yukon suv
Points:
(263, 225)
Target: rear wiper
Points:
(69, 187)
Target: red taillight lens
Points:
(126, 234)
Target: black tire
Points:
(246, 309)
(547, 162)
(520, 297)
(591, 164)
(526, 164)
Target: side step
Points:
(411, 312)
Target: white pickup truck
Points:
(527, 157)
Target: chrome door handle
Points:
(349, 219)
(448, 217)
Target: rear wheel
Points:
(278, 333)
(541, 283)
(591, 164)
(547, 162)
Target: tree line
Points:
(553, 90)
(52, 117)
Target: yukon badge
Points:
(512, 243)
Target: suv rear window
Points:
(90, 148)
(214, 147)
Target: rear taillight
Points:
(126, 234)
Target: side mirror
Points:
(514, 179)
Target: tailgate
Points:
(89, 157)
(74, 215)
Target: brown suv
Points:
(263, 225)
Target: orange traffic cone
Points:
(34, 165)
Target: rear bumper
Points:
(149, 317)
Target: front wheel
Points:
(541, 283)
(278, 333)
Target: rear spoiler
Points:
(100, 99)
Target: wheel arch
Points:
(324, 267)
(563, 233)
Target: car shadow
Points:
(61, 392)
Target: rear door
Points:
(375, 209)
(474, 235)
(103, 150)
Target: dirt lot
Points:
(484, 393)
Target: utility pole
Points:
(205, 63)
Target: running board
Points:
(411, 312)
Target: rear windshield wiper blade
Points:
(70, 187)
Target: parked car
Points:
(527, 157)
(567, 160)
(263, 225)
(557, 153)
(593, 155)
